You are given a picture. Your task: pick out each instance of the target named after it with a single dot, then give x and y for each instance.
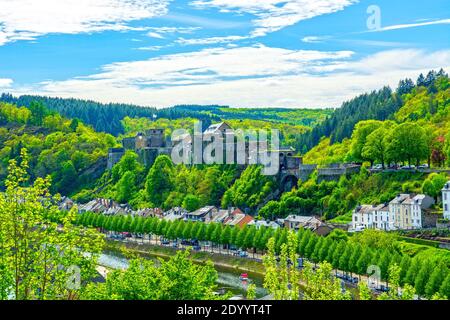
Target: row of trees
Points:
(389, 143)
(424, 274)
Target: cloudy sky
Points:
(243, 53)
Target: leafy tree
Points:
(159, 180)
(39, 257)
(175, 279)
(191, 203)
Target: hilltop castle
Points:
(148, 146)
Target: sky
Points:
(242, 53)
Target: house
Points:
(173, 214)
(262, 223)
(218, 216)
(295, 222)
(221, 127)
(204, 214)
(446, 200)
(65, 204)
(238, 218)
(105, 206)
(372, 217)
(149, 212)
(407, 210)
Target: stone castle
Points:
(148, 146)
(153, 142)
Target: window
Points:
(445, 207)
(445, 195)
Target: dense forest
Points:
(377, 105)
(108, 117)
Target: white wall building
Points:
(405, 211)
(446, 200)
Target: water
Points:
(226, 279)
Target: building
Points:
(262, 223)
(65, 204)
(446, 200)
(408, 210)
(176, 213)
(294, 222)
(105, 206)
(238, 218)
(148, 146)
(404, 212)
(204, 214)
(372, 217)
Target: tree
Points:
(445, 286)
(359, 137)
(364, 291)
(405, 86)
(375, 147)
(175, 279)
(126, 187)
(251, 292)
(436, 279)
(282, 279)
(159, 180)
(423, 276)
(407, 293)
(191, 203)
(408, 143)
(321, 285)
(40, 258)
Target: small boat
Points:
(243, 277)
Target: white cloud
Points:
(211, 40)
(248, 76)
(27, 19)
(5, 83)
(273, 15)
(182, 30)
(155, 35)
(412, 25)
(150, 48)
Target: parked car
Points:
(423, 166)
(165, 242)
(243, 254)
(197, 248)
(377, 167)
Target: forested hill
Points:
(377, 105)
(108, 117)
(105, 117)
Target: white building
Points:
(446, 200)
(405, 211)
(372, 217)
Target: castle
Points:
(148, 146)
(152, 143)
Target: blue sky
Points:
(244, 53)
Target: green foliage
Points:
(41, 255)
(249, 190)
(175, 279)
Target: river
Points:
(227, 279)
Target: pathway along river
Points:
(228, 279)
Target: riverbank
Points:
(255, 269)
